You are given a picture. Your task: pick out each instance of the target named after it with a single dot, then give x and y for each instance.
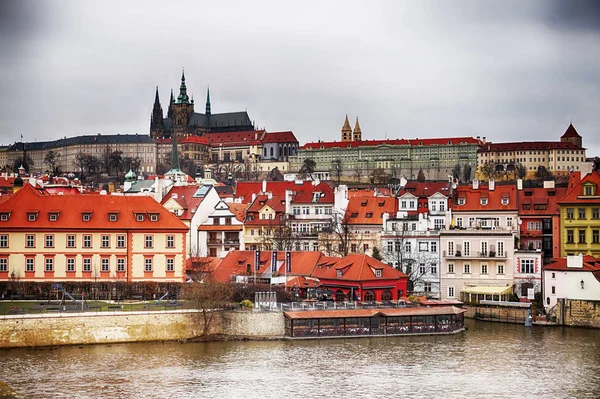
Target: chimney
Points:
(483, 139)
(491, 184)
(575, 261)
(264, 186)
(253, 196)
(288, 201)
(475, 184)
(519, 184)
(549, 184)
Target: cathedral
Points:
(183, 121)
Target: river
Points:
(489, 360)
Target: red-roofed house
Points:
(224, 229)
(89, 237)
(574, 277)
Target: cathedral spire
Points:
(346, 130)
(357, 134)
(171, 102)
(183, 97)
(207, 101)
(156, 119)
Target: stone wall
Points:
(578, 313)
(113, 327)
(498, 314)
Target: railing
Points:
(474, 255)
(214, 242)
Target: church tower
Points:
(571, 136)
(346, 131)
(357, 135)
(207, 113)
(182, 109)
(156, 120)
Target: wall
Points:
(103, 328)
(504, 315)
(578, 313)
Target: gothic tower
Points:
(182, 109)
(156, 120)
(171, 102)
(357, 135)
(346, 130)
(571, 136)
(207, 113)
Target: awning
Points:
(487, 290)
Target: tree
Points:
(105, 160)
(543, 174)
(456, 171)
(488, 170)
(378, 176)
(51, 159)
(308, 167)
(209, 296)
(281, 237)
(275, 174)
(80, 161)
(336, 170)
(337, 239)
(133, 164)
(92, 164)
(377, 254)
(421, 176)
(26, 162)
(358, 172)
(520, 171)
(466, 173)
(115, 161)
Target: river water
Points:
(489, 360)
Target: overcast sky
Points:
(507, 70)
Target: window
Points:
(353, 248)
(86, 217)
(121, 264)
(581, 213)
(105, 266)
(53, 217)
(30, 241)
(120, 241)
(570, 237)
(32, 217)
(433, 268)
(450, 248)
(461, 201)
(139, 217)
(154, 217)
(170, 264)
(87, 264)
(527, 266)
(467, 268)
(500, 269)
(148, 264)
(581, 236)
(450, 268)
(3, 241)
(422, 268)
(570, 212)
(595, 213)
(87, 241)
(112, 217)
(459, 222)
(30, 265)
(148, 242)
(467, 248)
(553, 290)
(4, 217)
(484, 269)
(105, 241)
(588, 190)
(450, 292)
(70, 241)
(49, 241)
(407, 247)
(553, 275)
(484, 248)
(504, 201)
(70, 264)
(423, 246)
(433, 247)
(484, 201)
(3, 264)
(378, 273)
(500, 246)
(49, 265)
(170, 241)
(596, 236)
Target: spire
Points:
(171, 102)
(207, 101)
(346, 130)
(357, 135)
(183, 97)
(156, 120)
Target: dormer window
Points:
(369, 214)
(32, 216)
(4, 217)
(461, 201)
(378, 273)
(354, 215)
(504, 201)
(86, 217)
(588, 190)
(113, 217)
(364, 203)
(339, 273)
(53, 217)
(154, 217)
(483, 201)
(139, 217)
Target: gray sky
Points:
(507, 70)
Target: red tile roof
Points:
(185, 198)
(575, 192)
(239, 210)
(276, 202)
(279, 137)
(426, 189)
(494, 198)
(245, 189)
(590, 264)
(232, 139)
(306, 196)
(71, 208)
(370, 210)
(205, 264)
(356, 267)
(369, 192)
(540, 195)
(570, 132)
(526, 145)
(398, 142)
(6, 182)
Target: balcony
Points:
(474, 255)
(214, 242)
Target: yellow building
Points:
(89, 237)
(580, 216)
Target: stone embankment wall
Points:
(578, 313)
(498, 314)
(103, 328)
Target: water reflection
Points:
(488, 360)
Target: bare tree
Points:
(336, 170)
(338, 238)
(466, 172)
(379, 176)
(51, 159)
(209, 296)
(358, 172)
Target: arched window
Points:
(369, 296)
(271, 152)
(386, 296)
(265, 153)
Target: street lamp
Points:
(582, 283)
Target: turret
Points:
(346, 130)
(357, 134)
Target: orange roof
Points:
(5, 197)
(276, 202)
(370, 210)
(220, 227)
(307, 197)
(231, 139)
(356, 267)
(494, 198)
(185, 198)
(72, 207)
(279, 137)
(575, 193)
(239, 210)
(6, 182)
(245, 189)
(425, 189)
(303, 282)
(368, 192)
(202, 264)
(540, 195)
(526, 145)
(590, 264)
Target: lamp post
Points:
(582, 283)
